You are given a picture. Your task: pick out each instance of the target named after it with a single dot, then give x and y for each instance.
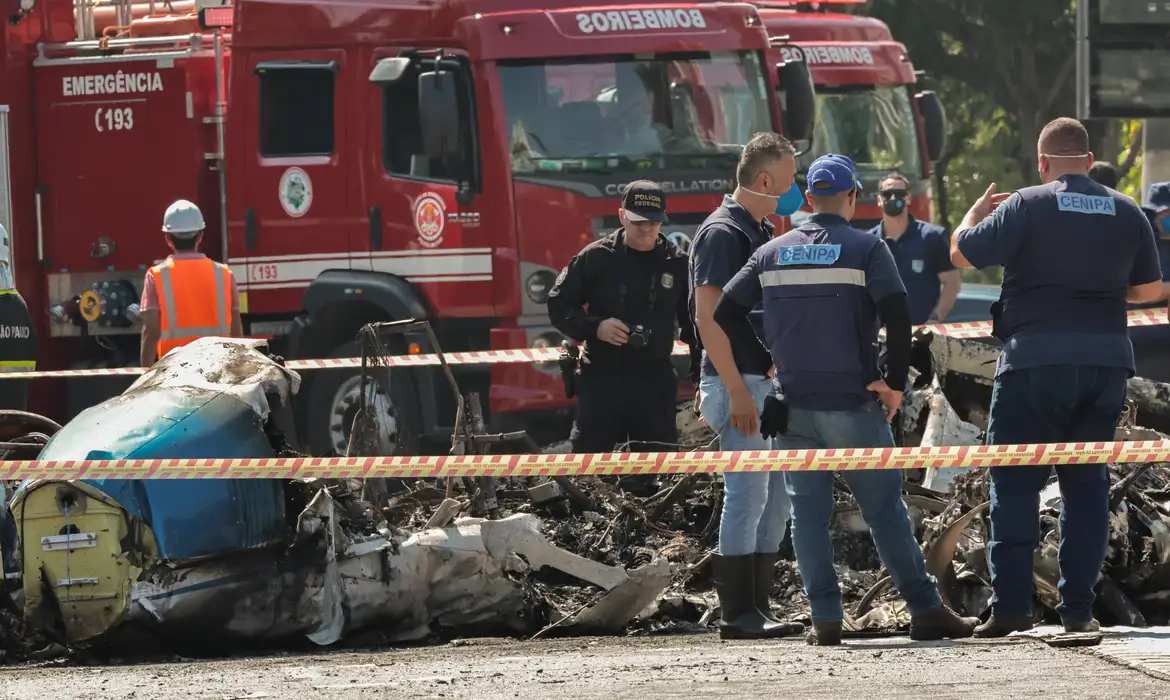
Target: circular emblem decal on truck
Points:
(296, 192)
(430, 216)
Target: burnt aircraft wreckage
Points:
(114, 563)
(117, 562)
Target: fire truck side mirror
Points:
(438, 99)
(798, 100)
(389, 70)
(934, 119)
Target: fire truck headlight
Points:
(539, 284)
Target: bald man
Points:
(1074, 253)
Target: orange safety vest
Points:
(194, 298)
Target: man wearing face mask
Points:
(1157, 208)
(621, 297)
(922, 252)
(734, 384)
(1073, 253)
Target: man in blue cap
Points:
(827, 288)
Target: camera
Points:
(639, 337)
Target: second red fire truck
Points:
(869, 104)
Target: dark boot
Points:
(1090, 625)
(824, 634)
(941, 623)
(735, 585)
(1003, 625)
(765, 574)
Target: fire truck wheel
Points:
(333, 401)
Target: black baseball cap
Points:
(644, 201)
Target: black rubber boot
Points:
(735, 585)
(1003, 625)
(765, 574)
(825, 634)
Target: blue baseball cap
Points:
(834, 170)
(1157, 198)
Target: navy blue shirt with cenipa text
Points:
(820, 285)
(923, 252)
(1070, 250)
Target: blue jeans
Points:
(755, 505)
(1057, 403)
(878, 493)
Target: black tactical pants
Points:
(619, 406)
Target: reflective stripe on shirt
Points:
(173, 331)
(777, 278)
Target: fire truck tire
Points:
(333, 400)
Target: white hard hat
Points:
(183, 219)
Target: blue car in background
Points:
(974, 303)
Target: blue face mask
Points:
(790, 203)
(1163, 225)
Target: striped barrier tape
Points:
(972, 329)
(596, 464)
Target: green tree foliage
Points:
(1003, 69)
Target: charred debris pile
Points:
(390, 561)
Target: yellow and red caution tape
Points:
(597, 464)
(975, 329)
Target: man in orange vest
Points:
(188, 295)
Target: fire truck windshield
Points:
(617, 114)
(873, 125)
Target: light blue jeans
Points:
(878, 493)
(755, 505)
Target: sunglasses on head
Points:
(891, 194)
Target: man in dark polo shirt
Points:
(922, 252)
(1073, 253)
(734, 384)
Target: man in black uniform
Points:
(621, 296)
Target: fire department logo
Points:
(430, 216)
(296, 192)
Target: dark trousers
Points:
(618, 406)
(1058, 403)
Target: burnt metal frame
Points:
(468, 435)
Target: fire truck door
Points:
(423, 212)
(296, 179)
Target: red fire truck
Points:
(868, 105)
(380, 162)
